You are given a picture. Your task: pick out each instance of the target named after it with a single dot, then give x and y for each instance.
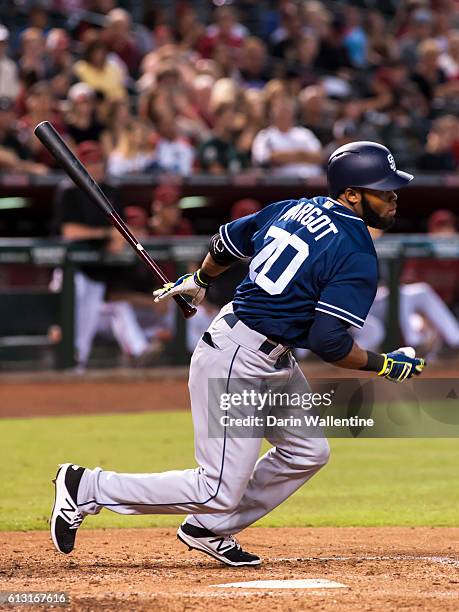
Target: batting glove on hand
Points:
(188, 284)
(398, 366)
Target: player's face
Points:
(378, 208)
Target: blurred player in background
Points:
(76, 218)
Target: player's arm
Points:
(329, 339)
(395, 366)
(195, 285)
(232, 243)
(78, 231)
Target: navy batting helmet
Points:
(364, 164)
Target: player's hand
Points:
(401, 364)
(188, 284)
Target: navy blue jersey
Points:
(306, 255)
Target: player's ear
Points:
(353, 196)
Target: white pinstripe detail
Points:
(228, 244)
(339, 316)
(341, 310)
(348, 216)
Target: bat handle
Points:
(187, 309)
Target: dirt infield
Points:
(148, 569)
(111, 391)
(396, 569)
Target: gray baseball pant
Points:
(232, 487)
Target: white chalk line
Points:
(431, 559)
(237, 592)
(296, 583)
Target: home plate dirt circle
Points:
(307, 583)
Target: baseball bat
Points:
(46, 133)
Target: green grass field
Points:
(367, 482)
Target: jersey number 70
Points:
(281, 257)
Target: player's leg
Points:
(89, 297)
(225, 464)
(217, 485)
(372, 334)
(291, 462)
(125, 327)
(422, 299)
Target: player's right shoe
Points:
(66, 517)
(223, 548)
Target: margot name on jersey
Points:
(313, 218)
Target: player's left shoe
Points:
(223, 548)
(66, 517)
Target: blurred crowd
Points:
(233, 87)
(227, 88)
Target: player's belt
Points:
(253, 339)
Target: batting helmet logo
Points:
(391, 160)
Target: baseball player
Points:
(313, 274)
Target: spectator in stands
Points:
(253, 68)
(275, 89)
(166, 216)
(219, 154)
(189, 29)
(134, 152)
(173, 154)
(429, 76)
(287, 149)
(97, 71)
(316, 17)
(419, 28)
(224, 92)
(254, 119)
(14, 155)
(40, 107)
(38, 16)
(119, 38)
(225, 30)
(333, 56)
(118, 117)
(9, 80)
(153, 62)
(382, 47)
(58, 59)
(171, 93)
(283, 40)
(227, 60)
(449, 59)
(32, 53)
(317, 112)
(438, 153)
(354, 37)
(81, 122)
(76, 218)
(303, 59)
(201, 92)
